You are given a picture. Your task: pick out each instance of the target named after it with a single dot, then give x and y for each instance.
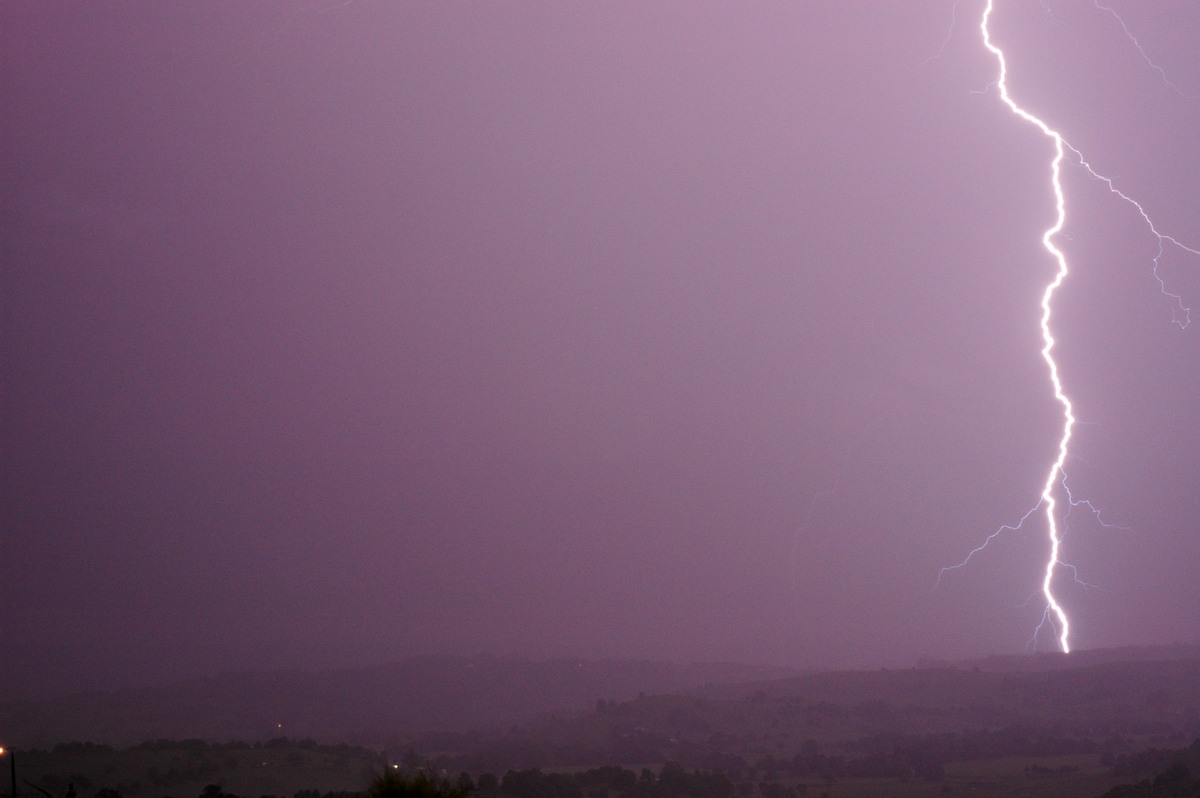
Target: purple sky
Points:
(338, 333)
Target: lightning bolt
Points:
(1054, 616)
(1054, 611)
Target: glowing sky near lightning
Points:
(1055, 490)
(343, 332)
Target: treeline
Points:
(608, 781)
(211, 791)
(707, 774)
(883, 755)
(979, 744)
(215, 791)
(1177, 773)
(164, 767)
(671, 782)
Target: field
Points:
(183, 770)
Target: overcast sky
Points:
(339, 332)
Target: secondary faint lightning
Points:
(986, 542)
(1141, 50)
(949, 36)
(1181, 314)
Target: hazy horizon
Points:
(1022, 661)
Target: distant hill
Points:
(1030, 726)
(1054, 661)
(1144, 697)
(361, 706)
(948, 715)
(383, 705)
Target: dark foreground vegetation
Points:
(1175, 774)
(1119, 730)
(998, 765)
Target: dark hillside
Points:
(361, 706)
(946, 715)
(1105, 698)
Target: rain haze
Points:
(337, 333)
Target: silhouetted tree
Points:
(394, 784)
(488, 784)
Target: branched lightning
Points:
(1054, 615)
(986, 542)
(1031, 645)
(1181, 314)
(1141, 51)
(1076, 577)
(1095, 511)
